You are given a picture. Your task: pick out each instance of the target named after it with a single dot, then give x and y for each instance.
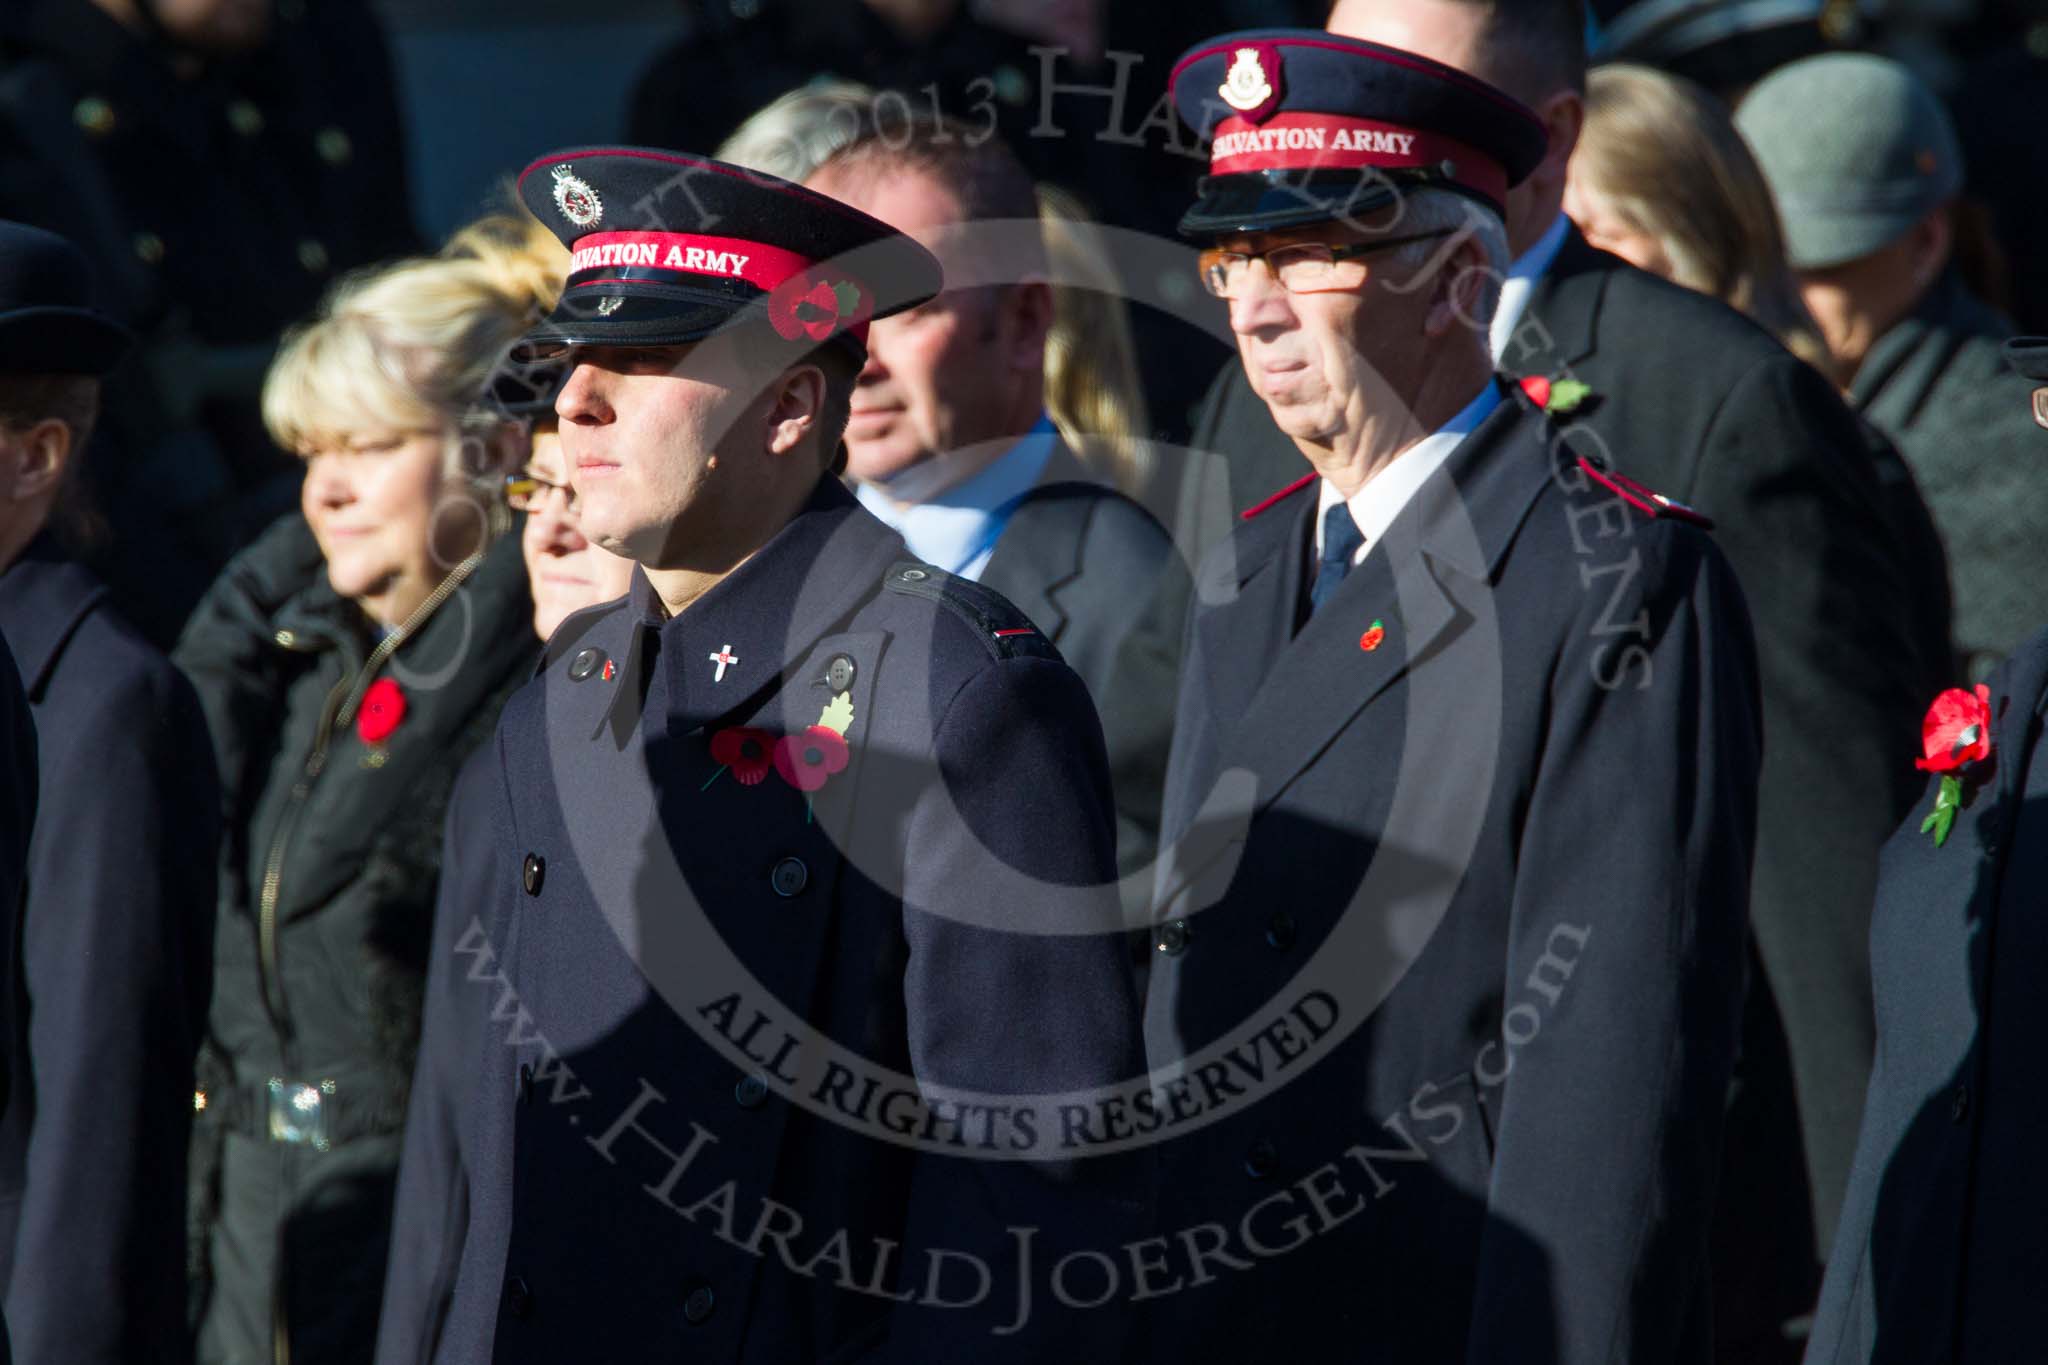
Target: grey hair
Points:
(1458, 215)
(802, 129)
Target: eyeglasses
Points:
(1300, 267)
(2041, 406)
(526, 490)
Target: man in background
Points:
(950, 440)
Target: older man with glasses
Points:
(1449, 930)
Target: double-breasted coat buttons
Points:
(1259, 1159)
(698, 1303)
(789, 877)
(1280, 931)
(840, 672)
(1172, 938)
(518, 1297)
(750, 1093)
(586, 662)
(532, 873)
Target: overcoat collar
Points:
(1039, 552)
(43, 598)
(1294, 695)
(766, 614)
(1560, 325)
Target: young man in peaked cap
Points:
(786, 885)
(1459, 813)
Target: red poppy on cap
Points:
(804, 305)
(806, 759)
(383, 709)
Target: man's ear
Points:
(1027, 311)
(32, 460)
(795, 408)
(1454, 294)
(1564, 117)
(1932, 239)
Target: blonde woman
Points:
(348, 662)
(1662, 179)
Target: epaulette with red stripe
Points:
(1644, 500)
(1275, 499)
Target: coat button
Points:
(313, 257)
(1280, 931)
(751, 1092)
(698, 1303)
(1959, 1104)
(586, 662)
(1259, 1159)
(915, 575)
(525, 1083)
(789, 877)
(94, 115)
(839, 673)
(532, 873)
(518, 1297)
(1172, 938)
(333, 146)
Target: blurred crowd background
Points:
(224, 161)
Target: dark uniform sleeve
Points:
(1627, 949)
(1016, 1012)
(430, 1218)
(1798, 509)
(116, 964)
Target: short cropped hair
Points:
(73, 399)
(1535, 48)
(981, 173)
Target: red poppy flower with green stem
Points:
(749, 754)
(807, 758)
(1955, 736)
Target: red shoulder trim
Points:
(1283, 495)
(1642, 499)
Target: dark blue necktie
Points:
(1341, 539)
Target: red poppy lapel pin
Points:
(1556, 396)
(805, 760)
(1955, 739)
(378, 718)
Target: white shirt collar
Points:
(957, 527)
(1374, 507)
(1521, 280)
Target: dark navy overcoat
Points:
(1942, 1253)
(112, 981)
(1452, 912)
(678, 996)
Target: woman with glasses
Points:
(348, 662)
(564, 572)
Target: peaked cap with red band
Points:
(666, 248)
(1304, 126)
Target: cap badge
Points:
(579, 203)
(610, 304)
(1250, 86)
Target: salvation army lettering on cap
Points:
(667, 248)
(1305, 126)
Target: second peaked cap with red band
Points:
(1306, 126)
(667, 247)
